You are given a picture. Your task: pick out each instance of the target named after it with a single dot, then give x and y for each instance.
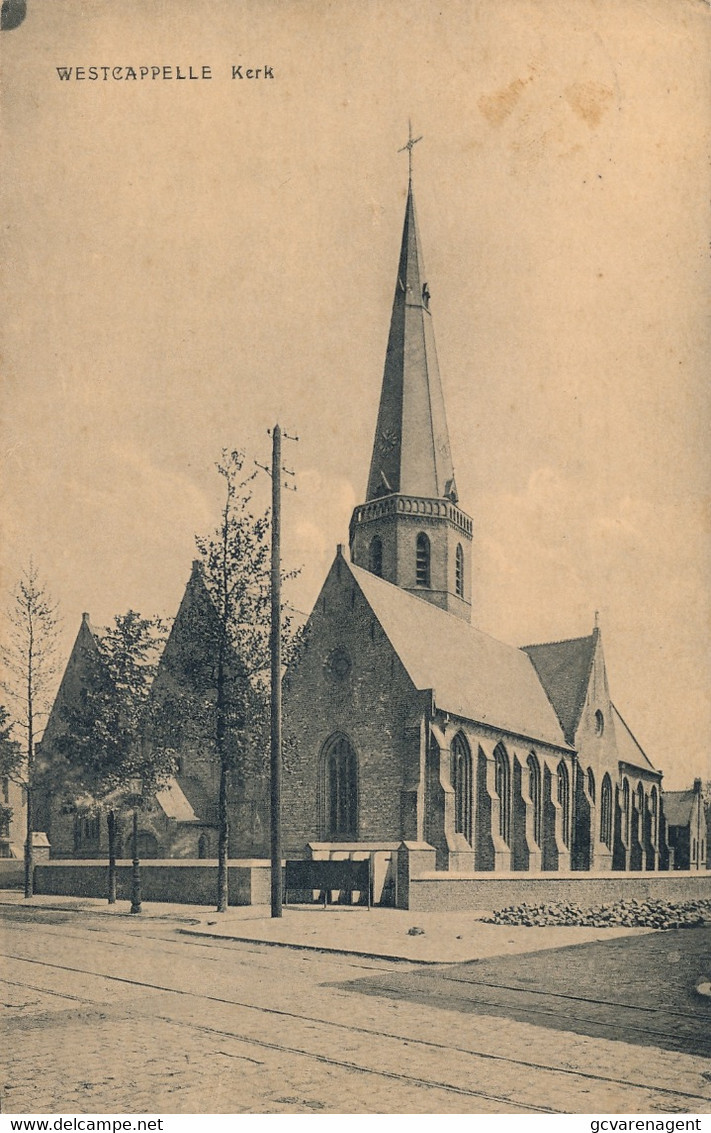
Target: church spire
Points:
(410, 530)
(411, 452)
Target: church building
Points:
(403, 722)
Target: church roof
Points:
(628, 748)
(564, 670)
(173, 802)
(677, 807)
(411, 452)
(472, 675)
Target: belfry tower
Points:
(410, 530)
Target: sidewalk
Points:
(446, 938)
(152, 910)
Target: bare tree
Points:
(29, 660)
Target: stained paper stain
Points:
(497, 107)
(589, 100)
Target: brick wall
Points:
(184, 882)
(495, 891)
(372, 702)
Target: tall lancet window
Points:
(459, 572)
(502, 784)
(462, 784)
(341, 789)
(375, 556)
(534, 790)
(422, 560)
(625, 811)
(564, 800)
(606, 812)
(653, 813)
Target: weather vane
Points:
(409, 146)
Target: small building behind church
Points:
(685, 817)
(182, 818)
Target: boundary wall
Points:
(434, 893)
(179, 880)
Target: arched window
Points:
(534, 790)
(591, 784)
(462, 785)
(564, 799)
(626, 811)
(459, 572)
(203, 846)
(653, 807)
(375, 556)
(606, 812)
(341, 774)
(422, 560)
(502, 784)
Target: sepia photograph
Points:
(355, 611)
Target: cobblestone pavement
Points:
(641, 990)
(121, 1015)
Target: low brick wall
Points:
(448, 893)
(12, 873)
(183, 881)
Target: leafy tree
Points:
(230, 650)
(102, 742)
(29, 659)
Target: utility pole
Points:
(275, 641)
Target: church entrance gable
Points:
(348, 681)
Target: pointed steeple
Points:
(410, 530)
(411, 451)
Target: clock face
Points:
(338, 663)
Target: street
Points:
(129, 1015)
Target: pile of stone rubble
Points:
(622, 914)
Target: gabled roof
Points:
(173, 802)
(564, 670)
(677, 807)
(187, 663)
(628, 748)
(411, 452)
(473, 675)
(198, 798)
(87, 645)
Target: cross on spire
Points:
(409, 146)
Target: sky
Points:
(188, 262)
